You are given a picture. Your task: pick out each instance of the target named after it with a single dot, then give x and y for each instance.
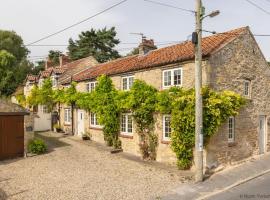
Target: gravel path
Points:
(74, 170)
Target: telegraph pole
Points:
(198, 95)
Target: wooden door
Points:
(11, 136)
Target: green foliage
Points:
(70, 94)
(141, 101)
(54, 56)
(46, 94)
(37, 146)
(97, 43)
(180, 104)
(134, 51)
(13, 62)
(33, 98)
(21, 99)
(40, 66)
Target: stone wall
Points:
(230, 67)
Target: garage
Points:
(11, 130)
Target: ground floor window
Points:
(67, 117)
(45, 109)
(126, 124)
(94, 120)
(166, 127)
(231, 126)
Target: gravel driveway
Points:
(75, 169)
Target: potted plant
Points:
(86, 136)
(58, 128)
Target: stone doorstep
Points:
(228, 178)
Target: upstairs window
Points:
(172, 77)
(126, 124)
(54, 81)
(40, 82)
(91, 86)
(45, 109)
(127, 82)
(167, 127)
(247, 88)
(231, 125)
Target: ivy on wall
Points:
(143, 101)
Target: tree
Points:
(135, 51)
(54, 56)
(14, 66)
(96, 43)
(13, 43)
(7, 84)
(39, 67)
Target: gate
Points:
(11, 136)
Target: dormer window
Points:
(54, 80)
(172, 77)
(127, 82)
(40, 82)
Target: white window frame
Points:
(88, 86)
(248, 90)
(67, 116)
(128, 82)
(172, 77)
(54, 79)
(45, 109)
(40, 82)
(126, 132)
(95, 125)
(231, 129)
(164, 137)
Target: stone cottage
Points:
(231, 60)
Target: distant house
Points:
(231, 61)
(58, 74)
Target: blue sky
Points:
(33, 19)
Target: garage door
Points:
(11, 136)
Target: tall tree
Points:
(40, 66)
(13, 65)
(96, 43)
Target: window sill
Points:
(95, 128)
(67, 124)
(231, 144)
(165, 141)
(126, 136)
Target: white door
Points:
(80, 123)
(262, 134)
(43, 121)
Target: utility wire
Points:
(170, 6)
(84, 20)
(257, 6)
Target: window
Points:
(247, 88)
(127, 82)
(167, 127)
(126, 124)
(44, 109)
(40, 82)
(172, 77)
(231, 125)
(67, 116)
(54, 80)
(93, 120)
(90, 87)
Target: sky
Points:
(34, 19)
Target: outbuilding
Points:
(12, 130)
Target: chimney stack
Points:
(48, 63)
(146, 46)
(63, 59)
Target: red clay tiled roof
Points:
(168, 55)
(31, 77)
(75, 67)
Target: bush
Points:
(37, 146)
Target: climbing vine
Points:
(180, 103)
(143, 101)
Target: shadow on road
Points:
(53, 140)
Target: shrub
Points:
(37, 146)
